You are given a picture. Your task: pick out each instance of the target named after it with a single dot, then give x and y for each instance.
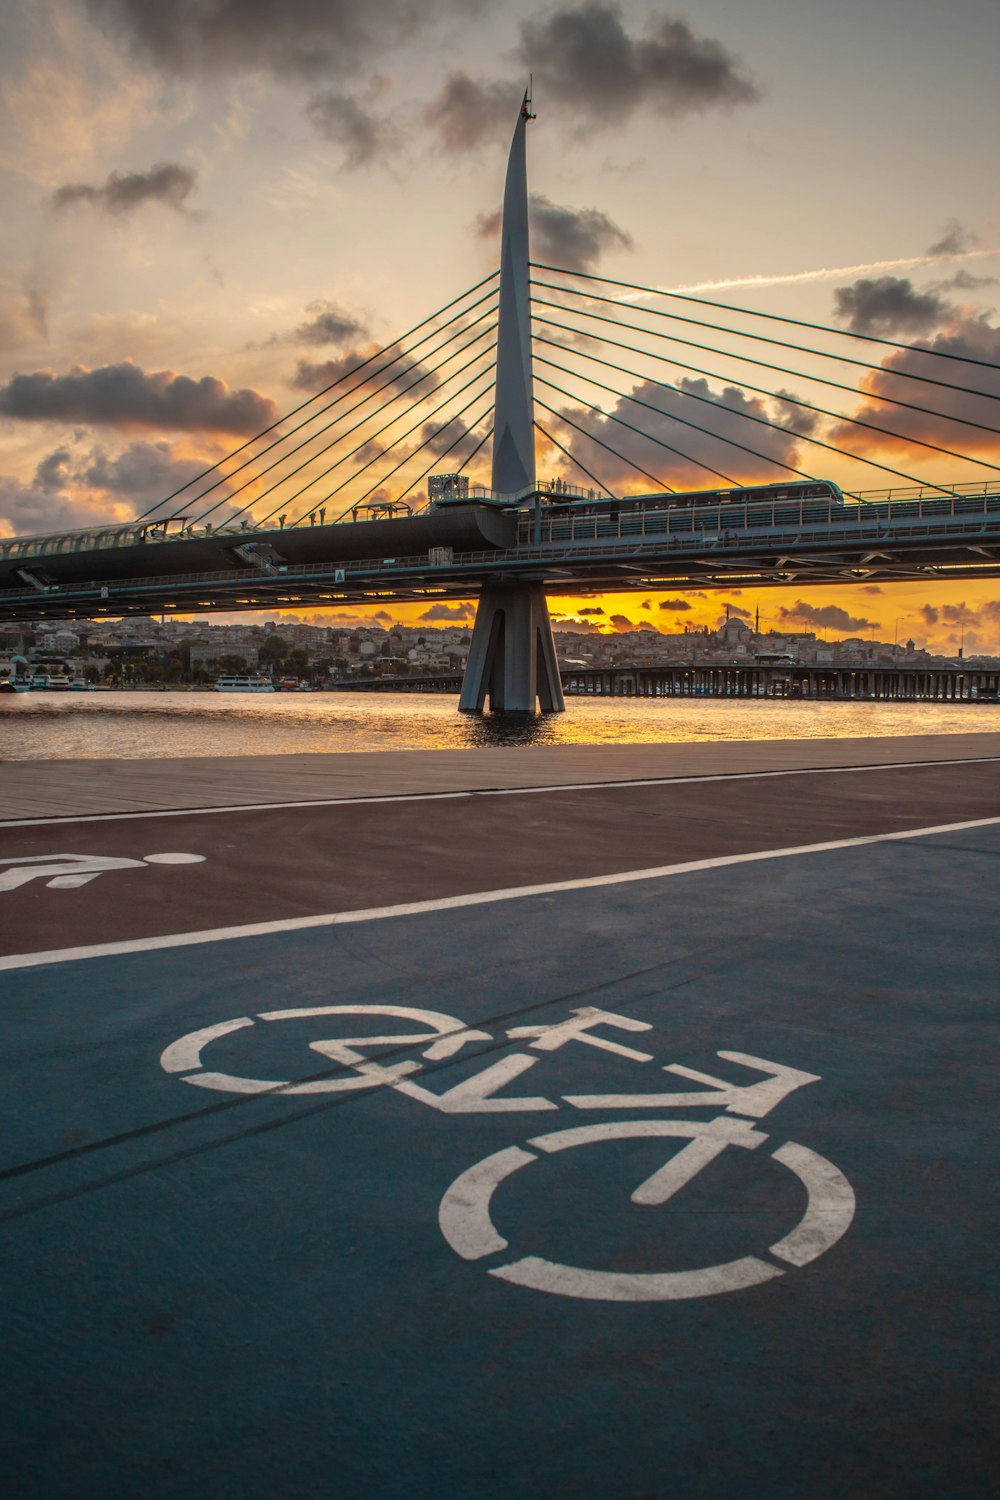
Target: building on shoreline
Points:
(193, 652)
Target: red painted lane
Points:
(262, 866)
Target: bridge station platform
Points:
(576, 1121)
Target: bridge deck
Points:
(242, 1266)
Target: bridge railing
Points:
(467, 569)
(836, 519)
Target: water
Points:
(140, 725)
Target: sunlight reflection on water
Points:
(137, 725)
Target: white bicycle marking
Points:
(446, 1036)
(67, 872)
(464, 1214)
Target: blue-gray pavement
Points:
(225, 1295)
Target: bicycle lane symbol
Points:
(465, 1221)
(465, 1211)
(68, 872)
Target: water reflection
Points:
(134, 725)
(511, 729)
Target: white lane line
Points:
(454, 903)
(493, 791)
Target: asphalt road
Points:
(264, 865)
(250, 1250)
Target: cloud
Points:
(591, 610)
(24, 318)
(143, 473)
(591, 67)
(929, 614)
(462, 612)
(720, 413)
(439, 440)
(364, 135)
(963, 281)
(677, 606)
(468, 112)
(402, 373)
(570, 625)
(828, 616)
(968, 337)
(573, 238)
(71, 489)
(960, 614)
(954, 240)
(318, 39)
(328, 323)
(737, 609)
(125, 396)
(621, 624)
(168, 184)
(33, 509)
(792, 416)
(887, 306)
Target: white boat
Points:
(258, 684)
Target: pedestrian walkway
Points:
(31, 789)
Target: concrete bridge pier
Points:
(513, 655)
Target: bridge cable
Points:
(339, 381)
(414, 451)
(384, 450)
(717, 406)
(339, 462)
(787, 398)
(673, 338)
(749, 312)
(387, 385)
(630, 463)
(582, 467)
(695, 462)
(763, 422)
(385, 428)
(400, 416)
(444, 454)
(740, 333)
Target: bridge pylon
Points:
(513, 655)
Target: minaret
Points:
(513, 430)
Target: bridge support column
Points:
(513, 655)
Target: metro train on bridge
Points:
(822, 490)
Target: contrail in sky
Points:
(825, 273)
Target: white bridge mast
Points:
(513, 655)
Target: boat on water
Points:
(233, 684)
(12, 678)
(52, 682)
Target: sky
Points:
(209, 205)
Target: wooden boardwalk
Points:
(38, 789)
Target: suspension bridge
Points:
(374, 489)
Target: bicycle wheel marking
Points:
(466, 1223)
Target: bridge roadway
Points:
(933, 537)
(248, 1257)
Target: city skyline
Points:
(210, 211)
